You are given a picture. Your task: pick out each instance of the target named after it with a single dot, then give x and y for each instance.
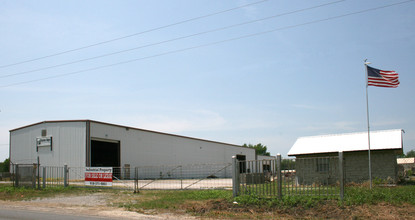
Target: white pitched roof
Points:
(379, 140)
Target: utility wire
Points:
(166, 41)
(210, 44)
(132, 35)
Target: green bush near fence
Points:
(393, 195)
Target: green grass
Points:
(173, 199)
(268, 190)
(392, 195)
(220, 203)
(353, 196)
(8, 192)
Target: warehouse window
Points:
(44, 133)
(322, 165)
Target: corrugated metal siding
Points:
(145, 148)
(68, 144)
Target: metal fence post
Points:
(16, 175)
(44, 177)
(65, 175)
(279, 176)
(235, 176)
(181, 177)
(38, 173)
(34, 179)
(135, 179)
(341, 175)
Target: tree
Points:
(5, 166)
(410, 153)
(259, 149)
(288, 164)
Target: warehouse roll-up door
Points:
(105, 153)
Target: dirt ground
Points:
(100, 204)
(330, 210)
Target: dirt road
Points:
(97, 205)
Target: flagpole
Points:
(368, 125)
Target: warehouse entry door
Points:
(105, 153)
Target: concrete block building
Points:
(385, 146)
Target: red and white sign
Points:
(98, 176)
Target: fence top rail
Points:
(187, 165)
(25, 164)
(253, 161)
(325, 157)
(160, 166)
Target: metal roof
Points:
(379, 140)
(133, 128)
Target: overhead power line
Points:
(132, 35)
(210, 44)
(170, 40)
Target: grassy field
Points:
(360, 202)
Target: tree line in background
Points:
(408, 154)
(5, 166)
(259, 149)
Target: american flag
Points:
(382, 78)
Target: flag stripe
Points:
(382, 78)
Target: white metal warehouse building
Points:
(87, 143)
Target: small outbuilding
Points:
(87, 143)
(385, 145)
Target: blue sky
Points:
(302, 77)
